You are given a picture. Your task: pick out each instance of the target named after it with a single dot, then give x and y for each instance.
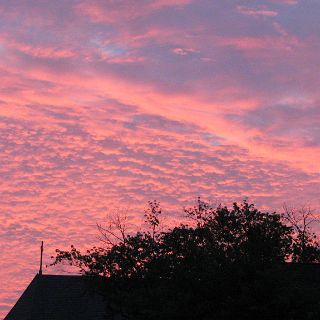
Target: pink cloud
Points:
(182, 51)
(109, 11)
(41, 52)
(256, 12)
(287, 2)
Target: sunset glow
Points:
(109, 104)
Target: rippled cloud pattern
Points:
(109, 104)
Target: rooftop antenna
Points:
(40, 270)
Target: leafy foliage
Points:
(229, 264)
(305, 246)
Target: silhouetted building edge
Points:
(59, 297)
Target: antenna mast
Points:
(40, 270)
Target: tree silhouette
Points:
(305, 247)
(229, 264)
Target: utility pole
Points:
(40, 270)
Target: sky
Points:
(106, 104)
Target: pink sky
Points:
(107, 104)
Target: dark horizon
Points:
(227, 263)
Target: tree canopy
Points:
(230, 263)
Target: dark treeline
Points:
(230, 263)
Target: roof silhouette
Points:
(56, 297)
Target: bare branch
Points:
(115, 230)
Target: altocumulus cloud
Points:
(106, 104)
